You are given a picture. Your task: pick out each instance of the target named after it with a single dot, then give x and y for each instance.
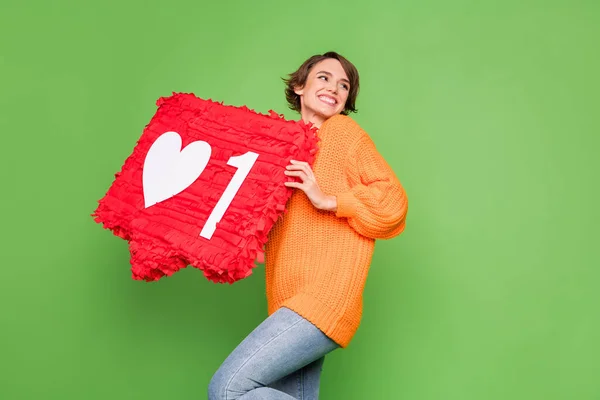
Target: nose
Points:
(332, 86)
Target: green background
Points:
(487, 111)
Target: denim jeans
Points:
(281, 359)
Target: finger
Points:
(304, 167)
(300, 174)
(297, 185)
(294, 167)
(299, 162)
(297, 168)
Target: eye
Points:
(345, 86)
(323, 77)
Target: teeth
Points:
(327, 99)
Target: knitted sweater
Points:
(317, 261)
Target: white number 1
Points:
(244, 164)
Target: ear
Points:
(299, 90)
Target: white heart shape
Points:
(169, 170)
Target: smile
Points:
(328, 100)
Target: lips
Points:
(331, 101)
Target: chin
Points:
(329, 113)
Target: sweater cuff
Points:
(346, 205)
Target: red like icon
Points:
(203, 187)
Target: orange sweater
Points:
(316, 261)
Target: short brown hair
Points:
(298, 80)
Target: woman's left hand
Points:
(309, 185)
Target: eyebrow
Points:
(330, 74)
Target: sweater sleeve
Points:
(376, 204)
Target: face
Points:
(325, 92)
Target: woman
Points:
(318, 254)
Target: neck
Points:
(312, 117)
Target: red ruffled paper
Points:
(165, 237)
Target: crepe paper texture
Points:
(165, 236)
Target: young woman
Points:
(318, 255)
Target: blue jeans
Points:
(281, 359)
